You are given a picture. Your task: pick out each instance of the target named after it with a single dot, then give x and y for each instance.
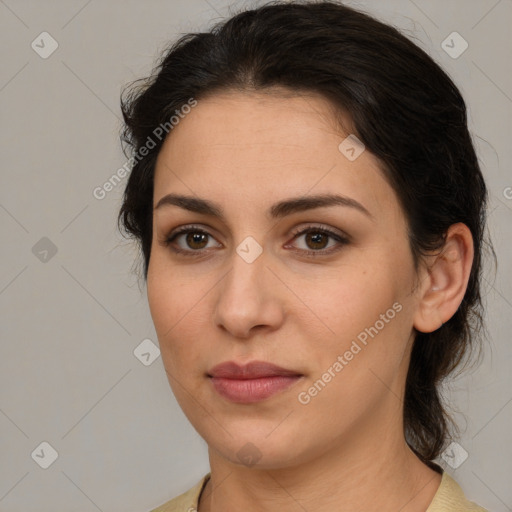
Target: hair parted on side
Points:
(402, 106)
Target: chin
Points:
(259, 450)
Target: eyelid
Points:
(341, 238)
(322, 228)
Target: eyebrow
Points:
(278, 210)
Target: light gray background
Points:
(70, 325)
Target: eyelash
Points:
(310, 229)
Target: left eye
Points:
(315, 238)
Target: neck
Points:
(371, 469)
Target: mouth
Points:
(253, 382)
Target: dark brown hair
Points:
(403, 107)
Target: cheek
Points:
(173, 304)
(363, 308)
(353, 370)
(352, 297)
(172, 293)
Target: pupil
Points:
(194, 238)
(317, 239)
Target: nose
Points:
(249, 298)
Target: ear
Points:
(443, 288)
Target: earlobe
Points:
(444, 287)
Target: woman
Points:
(310, 211)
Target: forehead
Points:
(264, 146)
(232, 120)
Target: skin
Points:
(345, 449)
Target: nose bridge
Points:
(246, 296)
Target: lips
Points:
(252, 370)
(253, 382)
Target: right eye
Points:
(194, 241)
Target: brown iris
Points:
(197, 238)
(316, 239)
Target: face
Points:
(321, 289)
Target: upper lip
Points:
(251, 370)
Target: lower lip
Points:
(251, 390)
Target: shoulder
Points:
(450, 498)
(186, 502)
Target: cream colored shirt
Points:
(448, 498)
